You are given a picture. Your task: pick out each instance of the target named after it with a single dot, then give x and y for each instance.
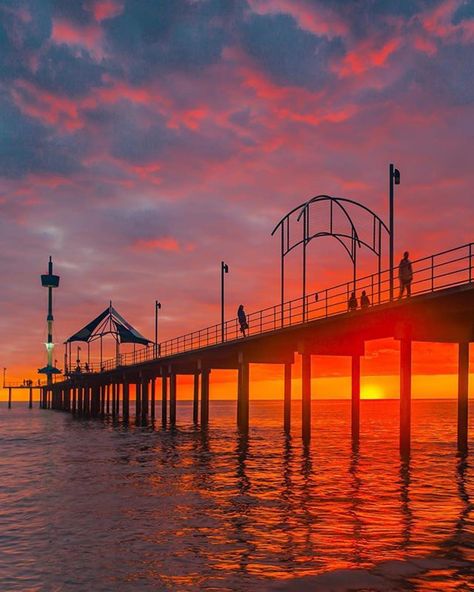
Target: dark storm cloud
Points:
(26, 146)
(291, 55)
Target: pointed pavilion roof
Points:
(110, 322)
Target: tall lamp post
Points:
(224, 270)
(4, 376)
(394, 179)
(157, 308)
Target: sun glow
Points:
(372, 391)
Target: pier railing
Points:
(442, 270)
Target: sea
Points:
(95, 505)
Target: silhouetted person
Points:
(364, 300)
(405, 275)
(78, 369)
(86, 367)
(352, 304)
(242, 320)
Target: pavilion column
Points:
(287, 399)
(306, 397)
(196, 398)
(463, 389)
(405, 396)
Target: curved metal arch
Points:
(324, 197)
(303, 210)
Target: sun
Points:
(372, 391)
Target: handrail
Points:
(429, 275)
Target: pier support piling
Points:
(153, 399)
(173, 399)
(164, 398)
(463, 388)
(126, 401)
(306, 397)
(355, 396)
(405, 396)
(30, 399)
(205, 397)
(144, 389)
(196, 398)
(9, 398)
(243, 397)
(287, 399)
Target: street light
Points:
(394, 179)
(157, 308)
(4, 376)
(224, 270)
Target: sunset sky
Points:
(142, 142)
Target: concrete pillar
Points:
(117, 399)
(243, 397)
(463, 388)
(107, 399)
(173, 399)
(113, 386)
(306, 397)
(74, 400)
(205, 397)
(126, 401)
(196, 398)
(103, 388)
(287, 399)
(164, 397)
(144, 387)
(138, 400)
(355, 415)
(405, 396)
(153, 400)
(95, 400)
(80, 400)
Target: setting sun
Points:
(372, 391)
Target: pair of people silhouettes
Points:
(364, 301)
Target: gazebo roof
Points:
(109, 322)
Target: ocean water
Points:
(91, 505)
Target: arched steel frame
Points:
(303, 212)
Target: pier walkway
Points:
(441, 309)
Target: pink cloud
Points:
(165, 243)
(438, 23)
(69, 33)
(106, 9)
(366, 56)
(318, 20)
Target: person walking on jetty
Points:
(242, 320)
(364, 300)
(405, 275)
(352, 304)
